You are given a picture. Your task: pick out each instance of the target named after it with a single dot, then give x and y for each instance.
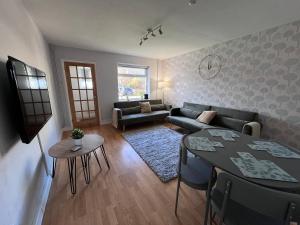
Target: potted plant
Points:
(77, 135)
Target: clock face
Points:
(210, 66)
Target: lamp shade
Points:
(162, 84)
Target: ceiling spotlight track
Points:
(151, 32)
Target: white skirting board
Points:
(41, 209)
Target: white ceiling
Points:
(117, 25)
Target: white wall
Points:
(22, 174)
(106, 76)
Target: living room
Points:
(149, 112)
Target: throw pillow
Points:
(158, 107)
(131, 110)
(189, 113)
(206, 116)
(145, 107)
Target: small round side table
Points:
(62, 150)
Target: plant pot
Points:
(77, 142)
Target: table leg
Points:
(208, 193)
(104, 155)
(53, 167)
(85, 160)
(72, 173)
(96, 156)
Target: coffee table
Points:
(62, 150)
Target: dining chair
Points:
(239, 202)
(194, 172)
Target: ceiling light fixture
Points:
(192, 2)
(151, 33)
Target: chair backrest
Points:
(275, 204)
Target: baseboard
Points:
(41, 209)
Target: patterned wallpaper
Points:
(260, 72)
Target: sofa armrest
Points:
(175, 112)
(116, 116)
(252, 128)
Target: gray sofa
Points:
(237, 120)
(129, 112)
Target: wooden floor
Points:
(127, 194)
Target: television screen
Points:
(31, 98)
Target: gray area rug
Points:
(159, 147)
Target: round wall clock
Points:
(210, 66)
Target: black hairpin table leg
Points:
(85, 160)
(96, 156)
(104, 155)
(53, 167)
(72, 173)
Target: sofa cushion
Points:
(231, 123)
(158, 107)
(196, 107)
(189, 113)
(234, 113)
(188, 123)
(145, 107)
(131, 110)
(206, 116)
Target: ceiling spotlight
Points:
(160, 31)
(192, 2)
(151, 33)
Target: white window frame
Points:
(147, 68)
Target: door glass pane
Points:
(42, 83)
(82, 84)
(84, 105)
(77, 106)
(73, 72)
(92, 114)
(89, 84)
(26, 95)
(33, 81)
(74, 82)
(83, 95)
(23, 82)
(76, 95)
(85, 115)
(78, 116)
(80, 71)
(91, 105)
(88, 72)
(36, 96)
(90, 94)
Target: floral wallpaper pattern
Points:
(260, 72)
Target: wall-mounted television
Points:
(31, 100)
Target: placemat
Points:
(274, 149)
(203, 144)
(227, 135)
(261, 169)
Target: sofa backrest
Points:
(232, 118)
(129, 104)
(196, 107)
(234, 113)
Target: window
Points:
(132, 82)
